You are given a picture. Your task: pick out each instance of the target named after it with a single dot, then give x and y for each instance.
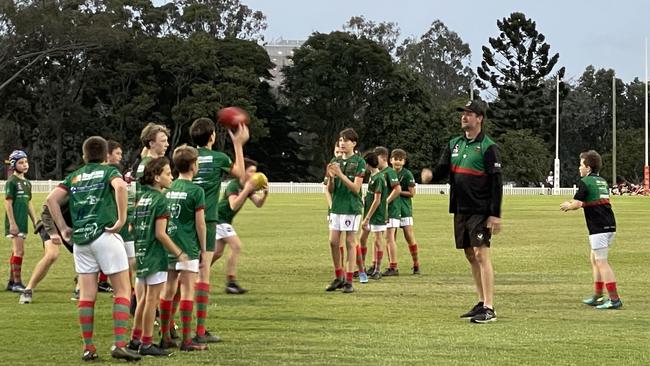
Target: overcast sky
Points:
(608, 34)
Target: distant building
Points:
(279, 51)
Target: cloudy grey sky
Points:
(603, 33)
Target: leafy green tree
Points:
(525, 158)
(386, 34)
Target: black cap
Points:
(475, 106)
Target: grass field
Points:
(542, 272)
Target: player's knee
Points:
(334, 245)
(51, 257)
(19, 252)
(471, 256)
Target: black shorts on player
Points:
(471, 231)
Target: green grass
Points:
(542, 272)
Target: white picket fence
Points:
(44, 186)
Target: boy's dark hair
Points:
(592, 160)
(371, 159)
(95, 149)
(112, 145)
(201, 130)
(155, 167)
(398, 154)
(184, 158)
(382, 151)
(349, 134)
(150, 131)
(249, 162)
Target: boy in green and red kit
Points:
(375, 214)
(96, 195)
(213, 165)
(18, 206)
(232, 201)
(407, 184)
(344, 183)
(187, 229)
(152, 247)
(394, 210)
(593, 196)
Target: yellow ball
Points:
(259, 180)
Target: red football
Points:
(232, 117)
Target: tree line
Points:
(74, 68)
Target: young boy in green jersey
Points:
(593, 196)
(186, 202)
(407, 184)
(152, 247)
(375, 214)
(345, 180)
(18, 206)
(229, 205)
(328, 195)
(96, 195)
(155, 139)
(393, 219)
(213, 165)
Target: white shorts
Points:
(405, 221)
(106, 253)
(344, 222)
(153, 279)
(20, 235)
(375, 228)
(130, 249)
(190, 266)
(393, 223)
(601, 240)
(225, 231)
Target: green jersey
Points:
(344, 201)
(125, 233)
(184, 199)
(390, 176)
(406, 181)
(212, 167)
(227, 214)
(593, 192)
(19, 191)
(377, 185)
(92, 201)
(143, 164)
(150, 255)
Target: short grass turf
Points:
(542, 273)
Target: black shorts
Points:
(45, 237)
(470, 231)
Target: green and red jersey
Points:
(474, 173)
(406, 181)
(344, 201)
(19, 191)
(593, 192)
(150, 255)
(377, 184)
(391, 179)
(227, 214)
(92, 201)
(213, 165)
(184, 199)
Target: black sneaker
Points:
(10, 286)
(134, 345)
(153, 350)
(355, 274)
(475, 310)
(376, 275)
(193, 346)
(75, 295)
(124, 353)
(371, 269)
(416, 270)
(173, 331)
(486, 316)
(18, 287)
(347, 288)
(335, 285)
(104, 287)
(166, 343)
(233, 288)
(391, 272)
(89, 355)
(206, 338)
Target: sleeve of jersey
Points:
(226, 163)
(114, 173)
(493, 169)
(162, 210)
(361, 169)
(410, 179)
(200, 200)
(442, 168)
(581, 194)
(10, 190)
(393, 179)
(66, 183)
